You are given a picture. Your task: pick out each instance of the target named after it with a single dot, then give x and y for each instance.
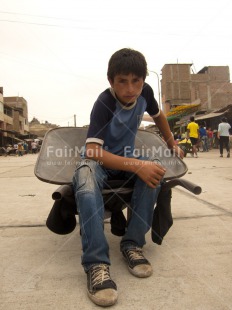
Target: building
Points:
(40, 129)
(207, 95)
(211, 85)
(14, 125)
(20, 114)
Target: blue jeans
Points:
(88, 182)
(205, 143)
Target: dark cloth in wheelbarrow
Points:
(62, 217)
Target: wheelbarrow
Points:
(61, 151)
(186, 146)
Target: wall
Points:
(211, 85)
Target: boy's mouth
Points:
(128, 102)
(129, 99)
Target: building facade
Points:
(14, 125)
(39, 129)
(211, 85)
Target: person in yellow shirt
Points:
(193, 134)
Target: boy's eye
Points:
(133, 81)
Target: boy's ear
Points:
(111, 82)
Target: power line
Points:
(40, 16)
(108, 29)
(50, 25)
(39, 24)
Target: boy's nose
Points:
(130, 88)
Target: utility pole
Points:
(75, 121)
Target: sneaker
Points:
(138, 265)
(101, 289)
(228, 155)
(221, 155)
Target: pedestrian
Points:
(9, 148)
(20, 149)
(33, 147)
(193, 134)
(25, 146)
(210, 138)
(204, 138)
(224, 136)
(16, 146)
(114, 121)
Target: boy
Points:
(115, 118)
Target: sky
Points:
(54, 53)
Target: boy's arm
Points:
(164, 128)
(150, 172)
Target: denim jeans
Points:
(88, 182)
(205, 143)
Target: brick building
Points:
(211, 85)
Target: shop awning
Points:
(210, 115)
(182, 110)
(16, 139)
(8, 131)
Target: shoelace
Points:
(100, 273)
(135, 254)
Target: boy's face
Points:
(127, 87)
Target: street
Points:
(192, 268)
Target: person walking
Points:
(33, 147)
(193, 134)
(224, 136)
(204, 138)
(20, 149)
(25, 146)
(210, 138)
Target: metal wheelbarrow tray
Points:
(61, 151)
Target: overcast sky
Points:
(54, 53)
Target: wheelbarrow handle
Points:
(195, 189)
(67, 190)
(62, 191)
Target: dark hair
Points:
(192, 118)
(224, 119)
(127, 61)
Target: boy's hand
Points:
(151, 173)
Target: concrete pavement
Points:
(192, 268)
